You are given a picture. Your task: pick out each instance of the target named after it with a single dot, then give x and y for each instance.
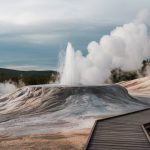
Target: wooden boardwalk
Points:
(124, 132)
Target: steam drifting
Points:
(125, 47)
(7, 88)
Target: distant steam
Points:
(7, 88)
(125, 47)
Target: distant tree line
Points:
(27, 77)
(118, 75)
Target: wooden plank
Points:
(90, 136)
(146, 134)
(120, 132)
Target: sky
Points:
(33, 32)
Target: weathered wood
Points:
(120, 132)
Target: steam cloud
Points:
(125, 47)
(6, 88)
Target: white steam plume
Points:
(125, 47)
(7, 88)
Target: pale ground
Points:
(138, 87)
(67, 140)
(60, 141)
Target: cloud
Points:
(23, 20)
(143, 16)
(28, 67)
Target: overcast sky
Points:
(43, 21)
(29, 25)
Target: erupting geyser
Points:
(125, 47)
(69, 76)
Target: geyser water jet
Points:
(124, 48)
(69, 77)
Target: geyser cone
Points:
(69, 75)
